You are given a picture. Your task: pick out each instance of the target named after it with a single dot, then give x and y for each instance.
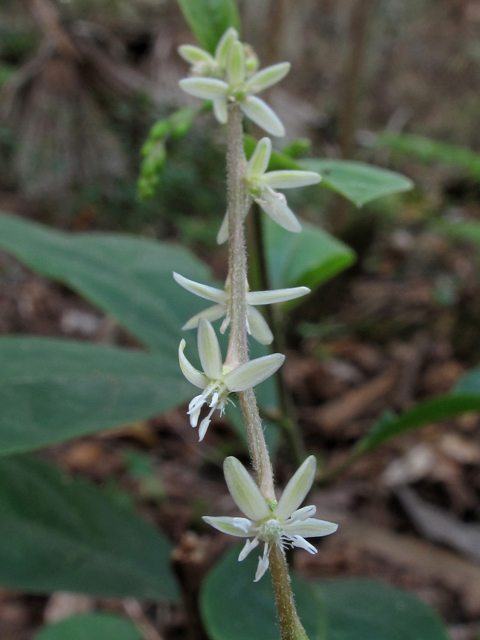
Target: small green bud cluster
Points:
(154, 150)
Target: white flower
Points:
(283, 524)
(219, 380)
(262, 184)
(238, 88)
(204, 64)
(256, 325)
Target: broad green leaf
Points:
(358, 182)
(60, 534)
(429, 151)
(233, 608)
(55, 390)
(209, 19)
(129, 278)
(390, 426)
(93, 626)
(370, 610)
(308, 258)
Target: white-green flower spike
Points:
(218, 380)
(256, 325)
(262, 186)
(284, 524)
(224, 79)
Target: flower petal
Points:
(201, 290)
(258, 327)
(244, 491)
(194, 55)
(303, 513)
(275, 205)
(223, 47)
(259, 112)
(202, 429)
(258, 163)
(310, 528)
(209, 350)
(222, 235)
(296, 489)
(300, 542)
(236, 65)
(220, 111)
(290, 179)
(277, 295)
(249, 546)
(191, 374)
(206, 88)
(254, 372)
(195, 414)
(263, 563)
(210, 314)
(268, 77)
(233, 526)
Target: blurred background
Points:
(393, 83)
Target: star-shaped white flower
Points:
(283, 524)
(256, 325)
(203, 63)
(238, 88)
(218, 380)
(262, 184)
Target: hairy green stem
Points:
(290, 625)
(238, 204)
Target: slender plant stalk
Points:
(238, 203)
(290, 625)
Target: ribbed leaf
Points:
(308, 258)
(60, 534)
(129, 278)
(55, 390)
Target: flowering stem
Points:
(290, 625)
(238, 203)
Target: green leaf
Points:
(93, 626)
(308, 258)
(370, 610)
(358, 182)
(233, 608)
(209, 19)
(127, 277)
(54, 390)
(390, 426)
(60, 534)
(428, 151)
